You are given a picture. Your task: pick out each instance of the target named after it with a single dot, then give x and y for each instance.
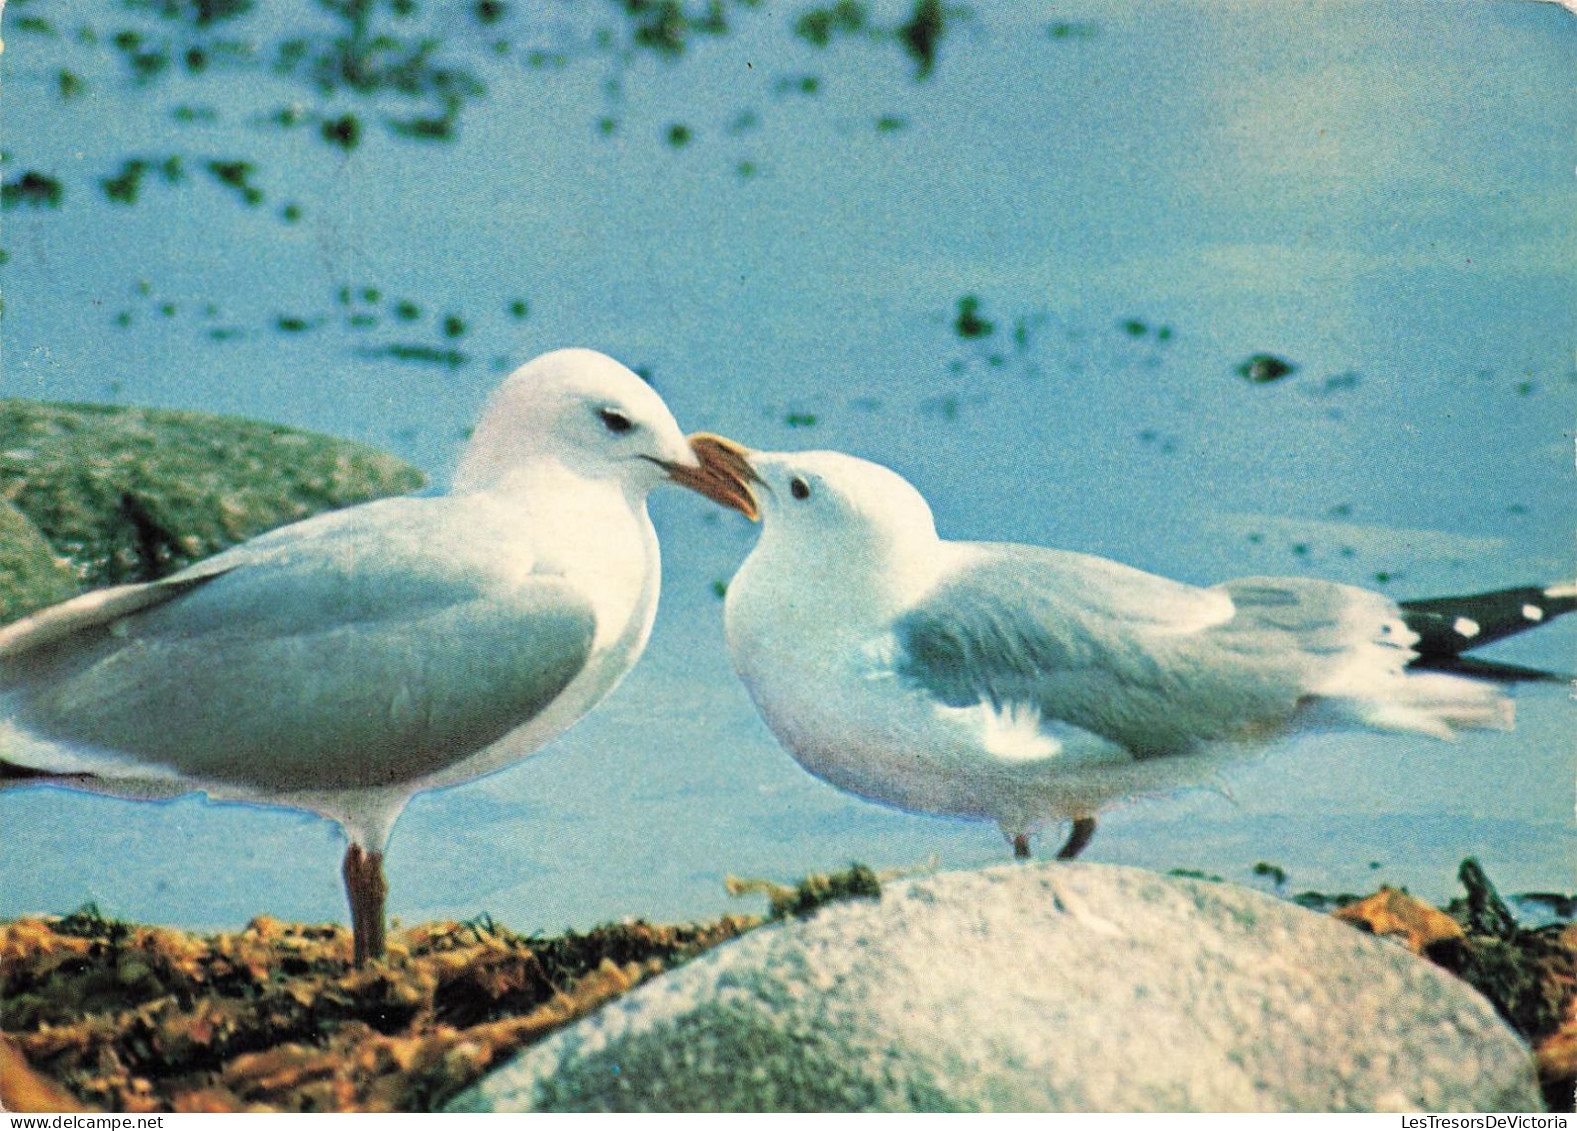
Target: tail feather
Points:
(1448, 626)
(1423, 703)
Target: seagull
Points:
(344, 663)
(1024, 685)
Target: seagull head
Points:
(831, 504)
(592, 416)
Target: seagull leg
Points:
(366, 889)
(1021, 846)
(1083, 832)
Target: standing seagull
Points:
(345, 663)
(1022, 685)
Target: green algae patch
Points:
(32, 575)
(133, 494)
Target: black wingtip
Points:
(1474, 668)
(1449, 626)
(13, 774)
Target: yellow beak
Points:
(725, 474)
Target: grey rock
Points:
(31, 575)
(1057, 987)
(132, 494)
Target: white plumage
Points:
(1022, 685)
(344, 663)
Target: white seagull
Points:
(344, 663)
(1024, 685)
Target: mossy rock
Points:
(31, 575)
(133, 494)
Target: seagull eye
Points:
(799, 488)
(614, 420)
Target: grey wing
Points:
(1083, 640)
(1157, 666)
(1312, 632)
(1343, 653)
(340, 655)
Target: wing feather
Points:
(338, 653)
(1153, 664)
(1015, 617)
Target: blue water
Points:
(1382, 194)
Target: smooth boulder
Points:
(1051, 987)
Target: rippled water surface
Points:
(1379, 194)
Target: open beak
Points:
(724, 474)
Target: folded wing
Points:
(324, 656)
(1161, 667)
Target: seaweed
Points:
(813, 892)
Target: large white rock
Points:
(1061, 987)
